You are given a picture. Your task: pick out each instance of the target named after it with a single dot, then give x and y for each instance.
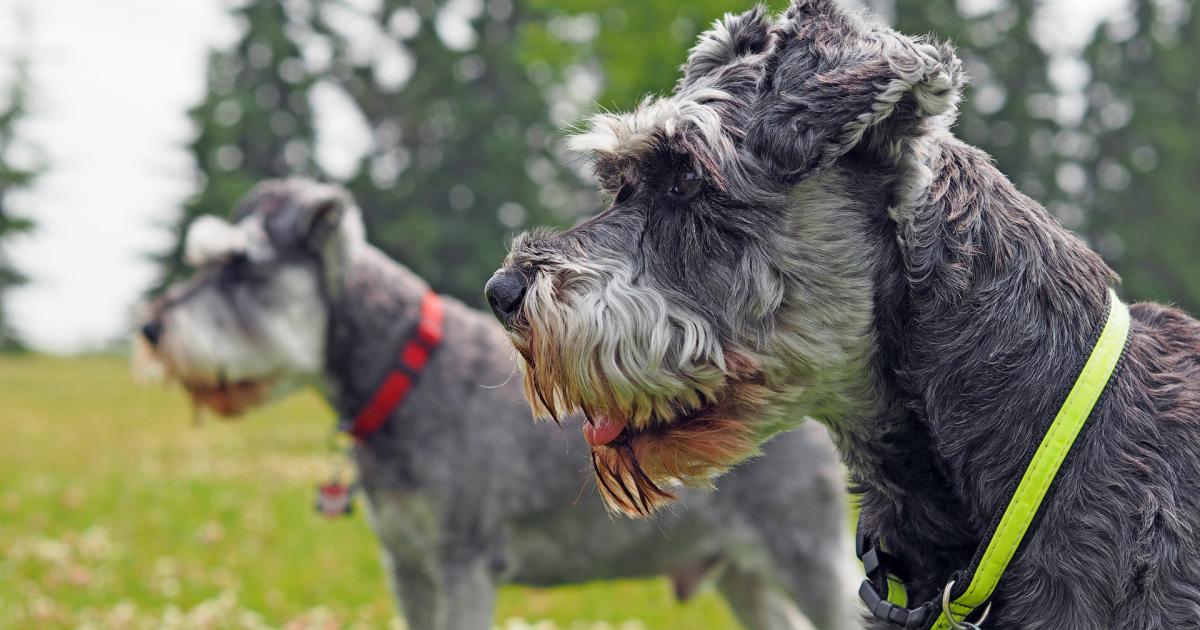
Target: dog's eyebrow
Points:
(657, 121)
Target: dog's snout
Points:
(152, 331)
(504, 292)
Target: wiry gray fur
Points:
(885, 278)
(466, 493)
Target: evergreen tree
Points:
(461, 155)
(1009, 106)
(636, 48)
(16, 174)
(254, 121)
(1144, 112)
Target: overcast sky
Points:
(113, 80)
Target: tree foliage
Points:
(461, 155)
(635, 47)
(253, 122)
(16, 174)
(1144, 113)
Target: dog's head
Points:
(726, 290)
(251, 324)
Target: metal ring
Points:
(964, 624)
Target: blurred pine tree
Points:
(632, 48)
(461, 153)
(1144, 112)
(253, 122)
(16, 174)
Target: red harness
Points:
(413, 357)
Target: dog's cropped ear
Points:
(330, 225)
(323, 209)
(730, 38)
(834, 83)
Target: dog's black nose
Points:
(504, 292)
(152, 331)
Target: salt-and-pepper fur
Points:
(849, 259)
(465, 493)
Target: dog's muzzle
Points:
(505, 291)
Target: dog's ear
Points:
(320, 215)
(729, 39)
(834, 83)
(328, 224)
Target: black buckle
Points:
(878, 564)
(887, 611)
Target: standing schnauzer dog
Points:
(464, 491)
(795, 232)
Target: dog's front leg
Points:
(451, 598)
(410, 529)
(437, 585)
(469, 592)
(418, 592)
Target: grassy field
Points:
(115, 512)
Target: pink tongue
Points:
(602, 430)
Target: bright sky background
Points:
(113, 79)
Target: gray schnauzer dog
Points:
(464, 491)
(793, 232)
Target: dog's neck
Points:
(985, 306)
(372, 313)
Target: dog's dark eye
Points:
(687, 183)
(625, 193)
(239, 265)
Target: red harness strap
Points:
(413, 357)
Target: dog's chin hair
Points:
(624, 484)
(595, 336)
(632, 472)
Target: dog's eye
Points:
(239, 264)
(687, 183)
(626, 191)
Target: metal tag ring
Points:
(964, 624)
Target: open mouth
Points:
(602, 429)
(230, 398)
(636, 466)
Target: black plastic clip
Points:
(878, 565)
(887, 611)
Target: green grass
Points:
(116, 512)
